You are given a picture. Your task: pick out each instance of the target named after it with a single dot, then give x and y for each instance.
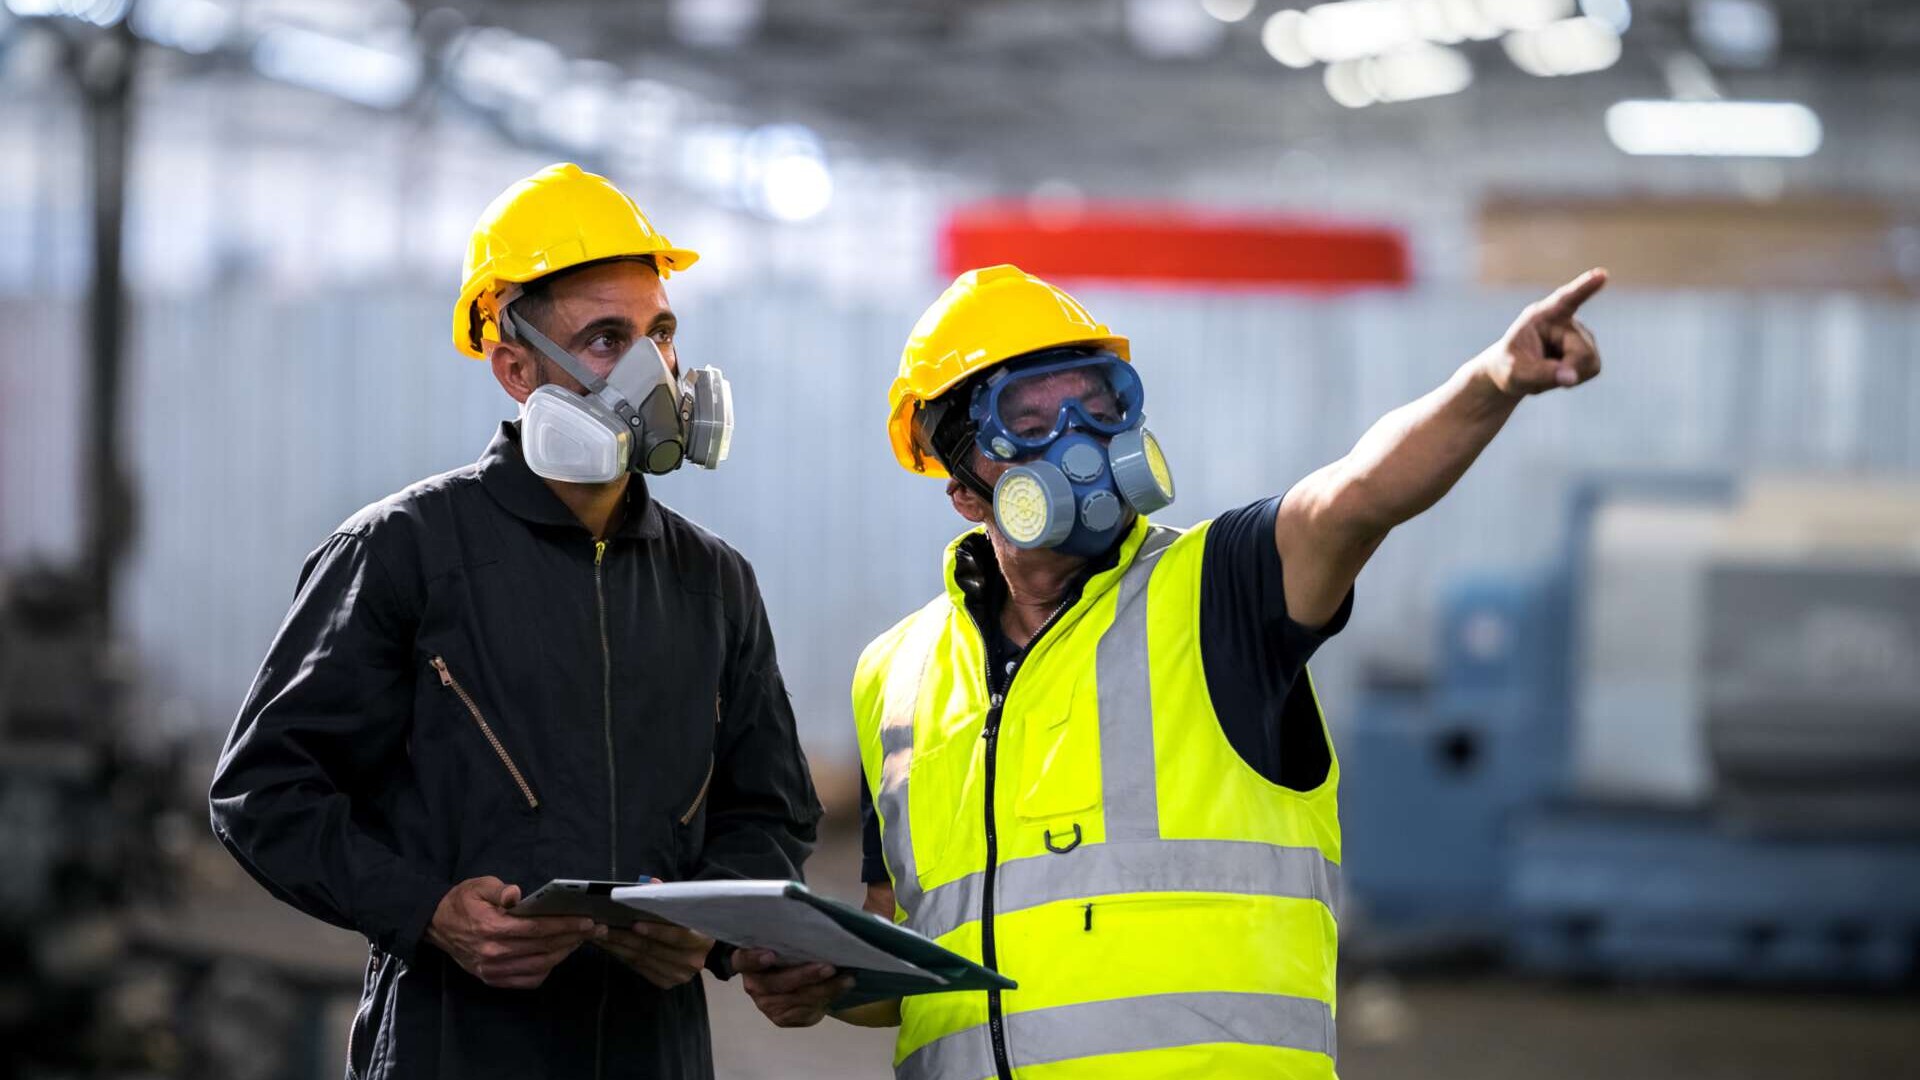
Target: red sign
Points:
(1132, 244)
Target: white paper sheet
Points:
(759, 915)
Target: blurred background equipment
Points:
(1654, 736)
(1691, 747)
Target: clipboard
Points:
(885, 960)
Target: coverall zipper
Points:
(613, 793)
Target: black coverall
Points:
(469, 685)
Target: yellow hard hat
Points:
(986, 317)
(560, 216)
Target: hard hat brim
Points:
(668, 260)
(900, 423)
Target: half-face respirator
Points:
(637, 419)
(1075, 426)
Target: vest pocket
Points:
(1059, 767)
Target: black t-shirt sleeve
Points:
(873, 865)
(1254, 652)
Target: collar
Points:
(505, 476)
(972, 573)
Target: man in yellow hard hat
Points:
(1096, 762)
(526, 670)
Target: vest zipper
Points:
(447, 680)
(613, 791)
(996, 1016)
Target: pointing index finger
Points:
(1567, 298)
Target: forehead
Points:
(1044, 393)
(626, 288)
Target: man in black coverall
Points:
(495, 678)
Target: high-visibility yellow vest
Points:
(1166, 910)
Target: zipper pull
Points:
(599, 551)
(1089, 927)
(446, 677)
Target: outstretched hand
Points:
(1547, 348)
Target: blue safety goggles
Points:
(1023, 407)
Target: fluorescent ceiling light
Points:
(97, 12)
(331, 65)
(1525, 14)
(1417, 71)
(1227, 11)
(1615, 13)
(192, 26)
(1172, 29)
(1281, 37)
(1742, 33)
(1352, 29)
(1568, 47)
(1714, 128)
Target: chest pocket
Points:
(1059, 777)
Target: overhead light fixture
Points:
(97, 12)
(1172, 29)
(1568, 47)
(1417, 71)
(1740, 33)
(378, 77)
(783, 170)
(192, 26)
(1351, 29)
(1354, 29)
(1227, 11)
(496, 68)
(1783, 129)
(1281, 37)
(1525, 14)
(1615, 13)
(714, 24)
(1467, 20)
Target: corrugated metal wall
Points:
(257, 424)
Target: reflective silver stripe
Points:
(1128, 789)
(900, 697)
(1128, 1025)
(1240, 867)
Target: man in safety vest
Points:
(1096, 762)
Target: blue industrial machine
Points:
(1465, 823)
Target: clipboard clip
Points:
(1074, 843)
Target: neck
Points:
(1037, 583)
(597, 506)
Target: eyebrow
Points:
(619, 324)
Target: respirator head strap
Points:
(584, 375)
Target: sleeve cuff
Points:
(1338, 622)
(404, 940)
(720, 960)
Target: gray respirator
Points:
(637, 419)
